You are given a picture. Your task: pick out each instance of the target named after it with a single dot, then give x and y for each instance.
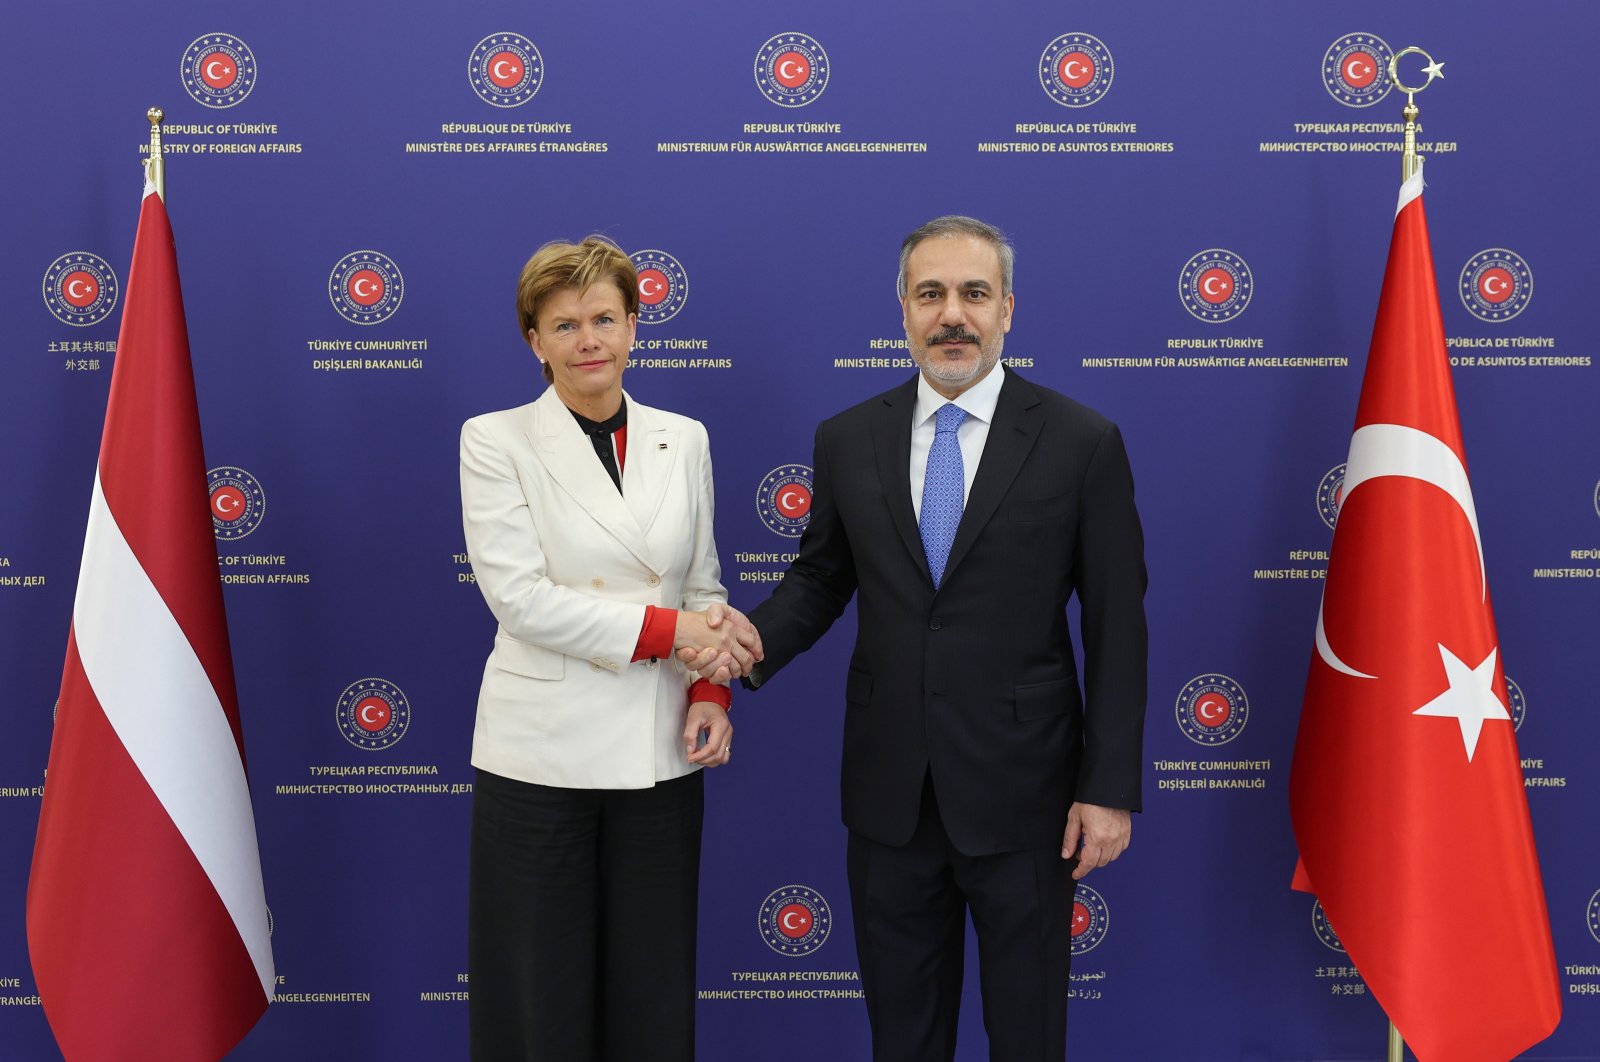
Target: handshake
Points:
(720, 643)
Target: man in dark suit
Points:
(964, 508)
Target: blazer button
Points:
(934, 624)
(652, 580)
(597, 582)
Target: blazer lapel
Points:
(568, 455)
(891, 441)
(651, 463)
(1016, 425)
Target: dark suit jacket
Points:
(976, 681)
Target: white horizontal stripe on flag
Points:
(162, 706)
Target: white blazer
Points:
(567, 565)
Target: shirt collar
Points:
(619, 419)
(978, 400)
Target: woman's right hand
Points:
(719, 643)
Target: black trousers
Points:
(581, 927)
(909, 906)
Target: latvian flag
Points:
(145, 870)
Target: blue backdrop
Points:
(1129, 148)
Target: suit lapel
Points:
(1011, 436)
(653, 455)
(568, 455)
(891, 441)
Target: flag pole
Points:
(1410, 161)
(1410, 166)
(155, 167)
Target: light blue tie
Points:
(943, 488)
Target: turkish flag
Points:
(1406, 792)
(147, 923)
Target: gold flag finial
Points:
(1410, 161)
(155, 169)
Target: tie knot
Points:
(948, 418)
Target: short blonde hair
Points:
(559, 265)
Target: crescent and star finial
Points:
(1434, 69)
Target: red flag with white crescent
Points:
(1406, 791)
(147, 922)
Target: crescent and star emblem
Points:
(371, 715)
(787, 68)
(1211, 709)
(1074, 70)
(501, 74)
(649, 286)
(1207, 285)
(225, 504)
(1355, 69)
(789, 501)
(793, 921)
(1493, 285)
(75, 289)
(1381, 450)
(362, 288)
(213, 66)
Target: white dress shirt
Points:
(979, 401)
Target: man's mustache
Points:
(952, 334)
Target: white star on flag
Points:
(1470, 700)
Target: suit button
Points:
(652, 580)
(934, 624)
(596, 667)
(597, 582)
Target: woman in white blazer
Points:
(588, 519)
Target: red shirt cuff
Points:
(706, 690)
(655, 637)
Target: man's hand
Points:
(709, 717)
(719, 658)
(1105, 833)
